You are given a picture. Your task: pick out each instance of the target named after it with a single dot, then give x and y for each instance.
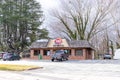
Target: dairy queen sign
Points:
(58, 41)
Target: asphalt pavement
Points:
(66, 70)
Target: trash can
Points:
(39, 57)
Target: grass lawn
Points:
(11, 67)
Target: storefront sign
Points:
(58, 41)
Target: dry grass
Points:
(11, 67)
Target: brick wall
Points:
(71, 57)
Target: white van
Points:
(117, 54)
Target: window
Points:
(46, 52)
(78, 53)
(36, 52)
(68, 52)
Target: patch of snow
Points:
(42, 40)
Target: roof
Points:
(38, 44)
(79, 43)
(73, 44)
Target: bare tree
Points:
(116, 18)
(83, 19)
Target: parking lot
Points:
(67, 70)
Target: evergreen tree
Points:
(18, 20)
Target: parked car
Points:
(59, 55)
(107, 56)
(11, 56)
(1, 54)
(25, 55)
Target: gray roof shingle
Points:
(38, 44)
(73, 44)
(79, 43)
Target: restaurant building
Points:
(77, 49)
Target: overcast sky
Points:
(47, 6)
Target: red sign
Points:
(58, 41)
